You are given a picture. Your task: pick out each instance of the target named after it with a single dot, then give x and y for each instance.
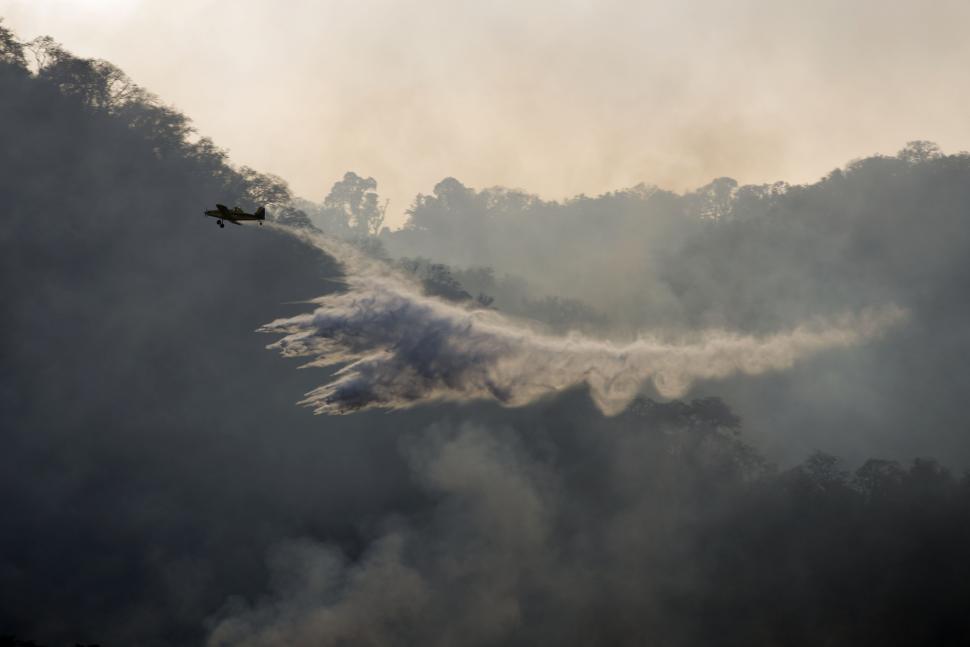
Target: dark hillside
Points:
(145, 426)
(159, 487)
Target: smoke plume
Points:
(400, 348)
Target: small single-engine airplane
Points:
(234, 215)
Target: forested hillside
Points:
(883, 230)
(145, 428)
(159, 486)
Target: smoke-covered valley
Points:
(783, 367)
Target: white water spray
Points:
(401, 348)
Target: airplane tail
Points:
(261, 213)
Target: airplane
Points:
(234, 215)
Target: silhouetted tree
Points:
(354, 201)
(264, 189)
(11, 49)
(920, 151)
(713, 201)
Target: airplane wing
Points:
(233, 221)
(223, 209)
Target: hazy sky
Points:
(557, 97)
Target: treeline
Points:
(747, 257)
(93, 94)
(724, 255)
(819, 554)
(814, 554)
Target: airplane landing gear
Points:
(220, 223)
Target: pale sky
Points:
(557, 97)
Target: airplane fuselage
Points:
(223, 213)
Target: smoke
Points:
(421, 583)
(401, 348)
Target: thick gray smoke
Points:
(489, 487)
(401, 348)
